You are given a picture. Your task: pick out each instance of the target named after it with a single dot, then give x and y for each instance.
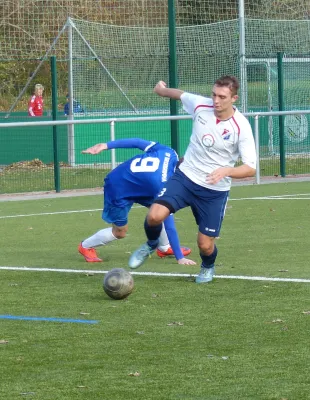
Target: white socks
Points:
(101, 238)
(105, 236)
(163, 244)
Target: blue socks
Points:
(152, 233)
(208, 261)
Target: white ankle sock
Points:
(163, 244)
(100, 238)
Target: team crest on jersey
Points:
(226, 134)
(208, 140)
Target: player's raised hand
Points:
(159, 86)
(186, 261)
(162, 90)
(96, 149)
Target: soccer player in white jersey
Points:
(220, 134)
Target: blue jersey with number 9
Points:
(141, 178)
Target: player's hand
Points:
(159, 86)
(96, 149)
(218, 174)
(186, 261)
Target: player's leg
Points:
(171, 199)
(164, 249)
(88, 246)
(118, 217)
(208, 253)
(209, 210)
(140, 255)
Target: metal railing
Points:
(114, 121)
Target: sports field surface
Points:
(244, 336)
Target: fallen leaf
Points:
(3, 341)
(278, 321)
(140, 332)
(306, 312)
(134, 373)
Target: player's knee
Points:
(119, 232)
(206, 247)
(154, 219)
(157, 214)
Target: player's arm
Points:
(134, 143)
(162, 90)
(248, 155)
(174, 241)
(30, 107)
(242, 171)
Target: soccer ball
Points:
(118, 283)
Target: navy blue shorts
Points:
(208, 206)
(115, 211)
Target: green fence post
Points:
(173, 74)
(54, 116)
(281, 117)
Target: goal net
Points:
(296, 80)
(115, 68)
(118, 50)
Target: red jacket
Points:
(35, 106)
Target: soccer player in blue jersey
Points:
(220, 133)
(137, 180)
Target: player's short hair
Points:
(229, 81)
(38, 86)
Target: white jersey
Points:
(215, 143)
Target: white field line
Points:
(55, 213)
(271, 198)
(50, 213)
(159, 274)
(279, 197)
(283, 197)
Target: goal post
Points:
(296, 77)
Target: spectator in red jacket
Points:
(35, 105)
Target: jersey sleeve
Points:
(134, 143)
(247, 145)
(173, 237)
(191, 101)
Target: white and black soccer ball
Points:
(118, 283)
